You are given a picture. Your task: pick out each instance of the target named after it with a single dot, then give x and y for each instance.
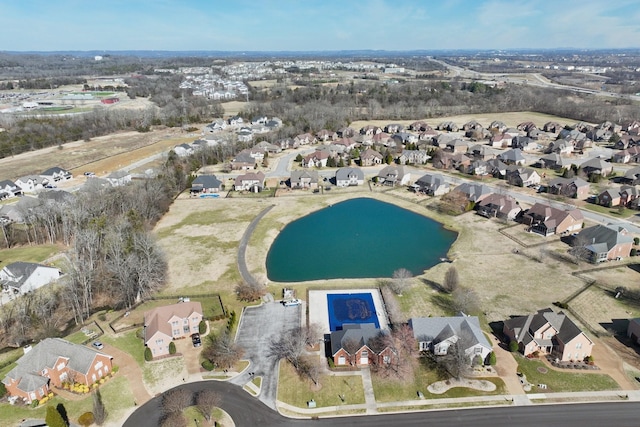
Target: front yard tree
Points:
(465, 300)
(99, 413)
(222, 351)
(401, 280)
(177, 400)
(451, 280)
(206, 402)
(249, 291)
(290, 346)
(174, 419)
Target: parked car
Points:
(50, 186)
(195, 339)
(291, 303)
(98, 345)
(89, 174)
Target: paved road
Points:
(242, 249)
(257, 326)
(248, 411)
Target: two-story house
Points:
(164, 324)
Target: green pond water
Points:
(358, 238)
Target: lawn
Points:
(393, 390)
(129, 343)
(116, 397)
(614, 212)
(297, 392)
(563, 381)
(27, 254)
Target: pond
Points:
(358, 238)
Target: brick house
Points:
(164, 324)
(52, 362)
(548, 332)
(546, 220)
(356, 345)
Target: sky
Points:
(316, 25)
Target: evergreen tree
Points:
(53, 418)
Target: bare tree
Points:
(249, 292)
(222, 351)
(465, 300)
(290, 346)
(401, 280)
(177, 400)
(451, 280)
(174, 419)
(396, 316)
(206, 401)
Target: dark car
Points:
(195, 339)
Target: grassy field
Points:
(297, 392)
(562, 381)
(27, 254)
(129, 343)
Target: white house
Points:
(56, 174)
(23, 277)
(349, 176)
(31, 183)
(118, 178)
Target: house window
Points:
(159, 342)
(174, 323)
(98, 365)
(386, 359)
(176, 332)
(44, 372)
(185, 321)
(579, 345)
(60, 366)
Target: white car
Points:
(291, 303)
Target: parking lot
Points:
(257, 326)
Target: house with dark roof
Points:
(349, 176)
(576, 188)
(164, 324)
(546, 220)
(56, 174)
(499, 206)
(548, 332)
(317, 159)
(206, 184)
(512, 157)
(431, 184)
(23, 277)
(243, 161)
(630, 196)
(609, 198)
(360, 344)
(438, 334)
(51, 363)
(605, 242)
(304, 179)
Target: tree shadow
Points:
(434, 285)
(444, 302)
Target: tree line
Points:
(111, 258)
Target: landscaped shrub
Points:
(331, 362)
(140, 333)
(513, 346)
(34, 403)
(561, 305)
(115, 369)
(634, 252)
(86, 419)
(172, 348)
(589, 360)
(492, 359)
(148, 356)
(207, 365)
(102, 317)
(202, 327)
(3, 390)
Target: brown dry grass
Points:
(101, 155)
(232, 108)
(201, 237)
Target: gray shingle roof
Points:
(360, 333)
(343, 174)
(438, 329)
(45, 354)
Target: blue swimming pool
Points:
(351, 308)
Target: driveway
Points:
(257, 326)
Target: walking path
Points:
(242, 249)
(369, 397)
(128, 367)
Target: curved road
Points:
(242, 249)
(248, 411)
